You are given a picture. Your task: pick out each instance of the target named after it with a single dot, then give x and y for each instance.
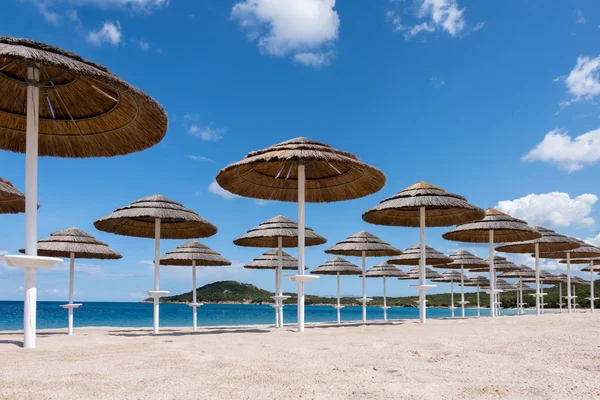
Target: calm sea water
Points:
(50, 315)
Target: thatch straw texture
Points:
(550, 241)
(137, 219)
(385, 269)
(337, 265)
(269, 260)
(504, 285)
(547, 277)
(450, 276)
(72, 240)
(84, 110)
(412, 256)
(522, 272)
(477, 281)
(589, 268)
(505, 227)
(272, 173)
(464, 258)
(501, 264)
(414, 274)
(587, 260)
(267, 233)
(187, 253)
(577, 281)
(361, 242)
(584, 250)
(442, 208)
(11, 200)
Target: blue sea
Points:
(51, 315)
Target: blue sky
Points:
(493, 100)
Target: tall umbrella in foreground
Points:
(477, 281)
(451, 277)
(591, 269)
(85, 111)
(584, 250)
(550, 241)
(337, 266)
(11, 200)
(156, 217)
(463, 259)
(194, 254)
(278, 232)
(522, 273)
(301, 170)
(74, 243)
(496, 227)
(363, 244)
(422, 205)
(384, 270)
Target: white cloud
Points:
(434, 15)
(302, 28)
(553, 209)
(206, 133)
(580, 18)
(595, 241)
(583, 82)
(214, 188)
(478, 26)
(545, 264)
(109, 33)
(146, 262)
(570, 154)
(436, 82)
(144, 45)
(199, 158)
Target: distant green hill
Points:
(245, 293)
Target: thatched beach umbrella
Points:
(278, 232)
(301, 170)
(478, 281)
(384, 270)
(363, 244)
(85, 111)
(591, 269)
(156, 217)
(194, 254)
(521, 273)
(551, 279)
(463, 259)
(74, 243)
(422, 205)
(337, 266)
(451, 277)
(270, 260)
(11, 200)
(584, 250)
(577, 281)
(496, 227)
(550, 241)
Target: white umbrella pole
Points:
(338, 298)
(71, 286)
(569, 282)
(385, 301)
(156, 273)
(492, 277)
(537, 279)
(520, 306)
(276, 301)
(301, 194)
(560, 297)
(592, 287)
(280, 279)
(478, 307)
(194, 300)
(452, 297)
(364, 287)
(574, 297)
(422, 282)
(31, 189)
(542, 292)
(462, 291)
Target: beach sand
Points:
(525, 357)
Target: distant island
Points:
(232, 292)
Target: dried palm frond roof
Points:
(84, 109)
(337, 265)
(586, 260)
(268, 233)
(577, 281)
(272, 173)
(414, 274)
(270, 260)
(501, 264)
(385, 269)
(365, 242)
(465, 259)
(11, 200)
(550, 241)
(412, 256)
(547, 277)
(505, 227)
(450, 276)
(521, 272)
(526, 288)
(596, 267)
(72, 240)
(442, 208)
(477, 280)
(193, 252)
(138, 220)
(504, 285)
(584, 250)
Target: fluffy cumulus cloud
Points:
(583, 82)
(553, 209)
(214, 188)
(305, 29)
(207, 133)
(570, 154)
(109, 33)
(595, 241)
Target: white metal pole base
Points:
(156, 295)
(70, 307)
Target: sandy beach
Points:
(552, 356)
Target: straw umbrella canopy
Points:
(385, 270)
(584, 250)
(591, 269)
(477, 281)
(84, 111)
(577, 281)
(451, 277)
(278, 232)
(550, 241)
(74, 243)
(156, 217)
(414, 273)
(422, 205)
(337, 266)
(270, 260)
(11, 200)
(412, 256)
(463, 259)
(301, 170)
(363, 244)
(194, 254)
(496, 227)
